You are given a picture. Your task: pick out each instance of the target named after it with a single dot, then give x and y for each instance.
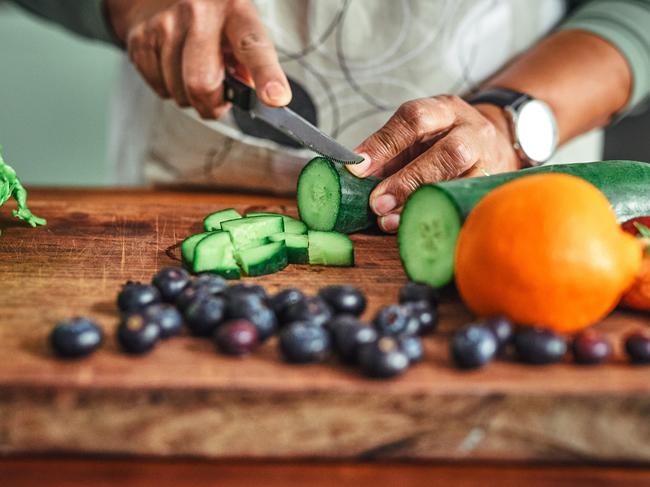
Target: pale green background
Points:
(54, 95)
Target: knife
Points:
(287, 121)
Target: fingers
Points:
(414, 122)
(142, 47)
(172, 35)
(254, 50)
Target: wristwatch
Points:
(532, 122)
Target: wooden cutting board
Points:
(184, 399)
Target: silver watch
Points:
(532, 123)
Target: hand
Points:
(181, 48)
(430, 140)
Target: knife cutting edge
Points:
(288, 122)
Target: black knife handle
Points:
(238, 93)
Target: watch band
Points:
(501, 97)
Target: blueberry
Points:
(395, 319)
(313, 310)
(212, 283)
(282, 300)
(590, 348)
(246, 289)
(136, 334)
(416, 291)
(167, 317)
(539, 347)
(425, 315)
(502, 328)
(349, 335)
(344, 299)
(76, 337)
(412, 347)
(304, 342)
(252, 308)
(473, 346)
(170, 281)
(236, 337)
(189, 294)
(637, 347)
(204, 315)
(383, 358)
(136, 296)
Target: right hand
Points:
(181, 48)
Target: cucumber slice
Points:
(330, 248)
(297, 246)
(189, 244)
(213, 221)
(253, 231)
(215, 253)
(266, 259)
(429, 228)
(291, 225)
(330, 198)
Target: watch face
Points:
(536, 130)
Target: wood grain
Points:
(183, 399)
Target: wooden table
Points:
(185, 400)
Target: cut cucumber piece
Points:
(330, 248)
(266, 259)
(297, 246)
(253, 231)
(215, 253)
(189, 244)
(291, 225)
(332, 199)
(213, 221)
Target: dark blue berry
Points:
(349, 335)
(170, 281)
(250, 307)
(282, 300)
(167, 317)
(395, 319)
(313, 310)
(204, 315)
(212, 283)
(190, 294)
(473, 346)
(236, 337)
(415, 291)
(246, 289)
(76, 337)
(591, 348)
(425, 315)
(136, 334)
(637, 347)
(502, 328)
(304, 342)
(136, 296)
(538, 346)
(344, 299)
(412, 347)
(383, 358)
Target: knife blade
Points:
(288, 122)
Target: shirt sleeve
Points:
(626, 25)
(86, 17)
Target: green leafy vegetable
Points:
(10, 186)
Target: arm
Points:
(578, 71)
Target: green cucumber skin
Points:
(276, 263)
(189, 244)
(297, 246)
(626, 184)
(222, 268)
(214, 220)
(298, 255)
(291, 225)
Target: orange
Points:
(545, 250)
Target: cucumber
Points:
(297, 246)
(291, 225)
(189, 244)
(215, 253)
(213, 221)
(330, 248)
(433, 214)
(253, 231)
(332, 199)
(267, 259)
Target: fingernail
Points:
(274, 91)
(384, 204)
(361, 168)
(389, 223)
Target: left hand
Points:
(430, 140)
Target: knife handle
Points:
(238, 93)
